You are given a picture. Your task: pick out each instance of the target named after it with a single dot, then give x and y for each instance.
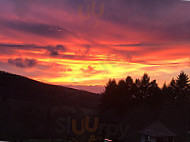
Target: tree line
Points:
(126, 94)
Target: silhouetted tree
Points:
(108, 95)
(182, 88)
(130, 92)
(127, 93)
(142, 86)
(182, 81)
(129, 81)
(169, 92)
(130, 87)
(155, 97)
(120, 96)
(146, 91)
(178, 89)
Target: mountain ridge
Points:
(13, 86)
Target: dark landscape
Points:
(31, 109)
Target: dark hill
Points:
(16, 87)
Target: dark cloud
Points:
(31, 46)
(12, 45)
(159, 19)
(138, 45)
(149, 16)
(54, 53)
(78, 57)
(178, 31)
(126, 11)
(40, 29)
(23, 63)
(53, 50)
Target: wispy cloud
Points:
(23, 63)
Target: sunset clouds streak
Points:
(86, 42)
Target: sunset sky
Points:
(83, 43)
